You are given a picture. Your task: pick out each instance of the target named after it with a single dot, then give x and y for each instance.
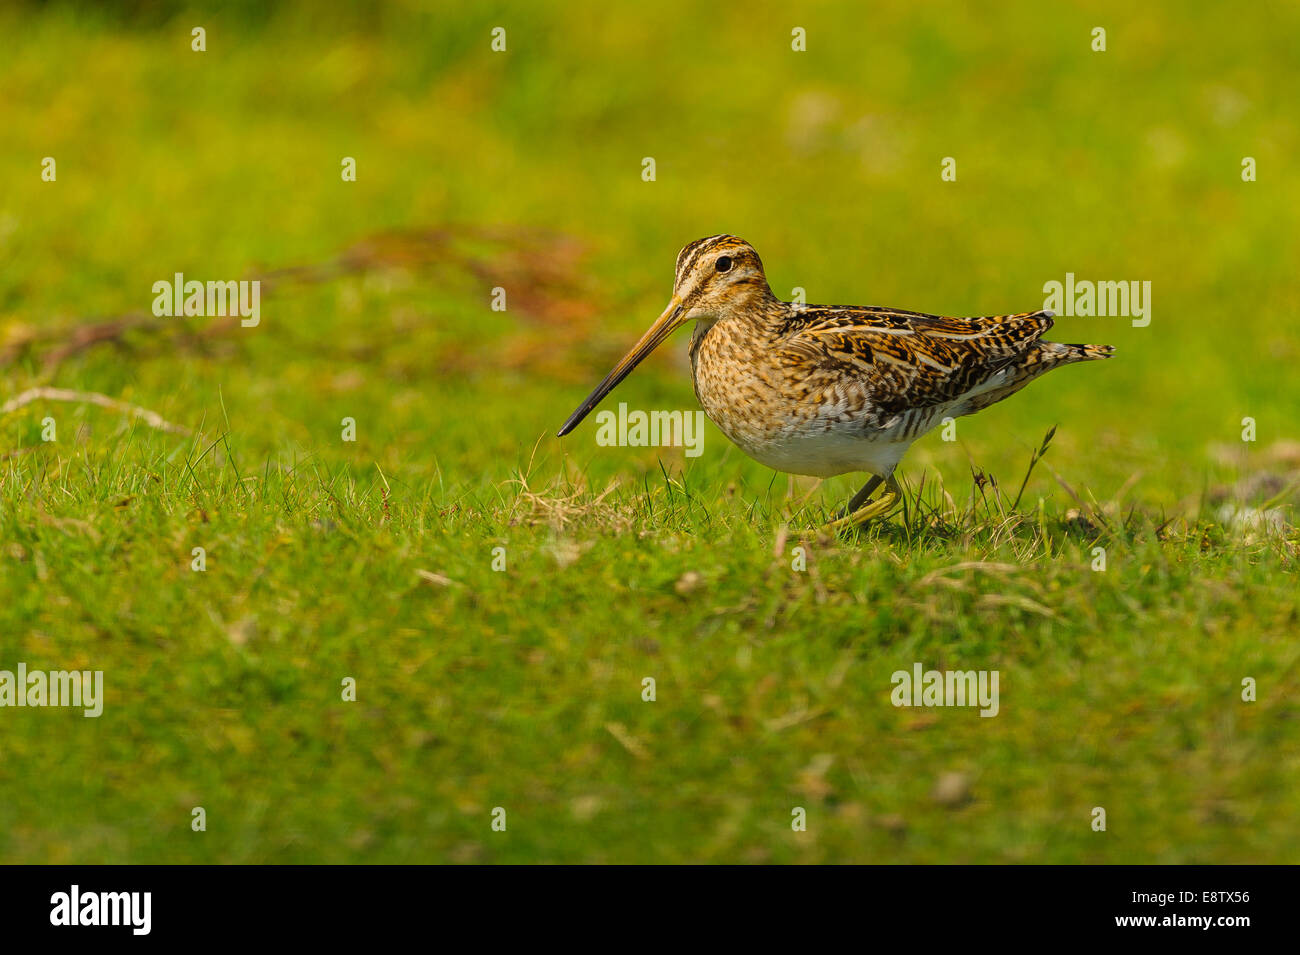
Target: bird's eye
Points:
(723, 264)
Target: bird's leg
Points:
(859, 513)
(860, 498)
(893, 485)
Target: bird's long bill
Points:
(661, 329)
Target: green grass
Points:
(522, 688)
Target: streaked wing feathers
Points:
(909, 360)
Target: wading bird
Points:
(823, 390)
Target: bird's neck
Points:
(756, 312)
(742, 327)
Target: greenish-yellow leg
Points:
(859, 512)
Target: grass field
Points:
(521, 688)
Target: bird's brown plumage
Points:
(823, 390)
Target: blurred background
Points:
(1123, 164)
(522, 169)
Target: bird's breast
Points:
(789, 421)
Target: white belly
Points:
(824, 454)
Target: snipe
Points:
(828, 389)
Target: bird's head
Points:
(714, 276)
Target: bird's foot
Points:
(869, 511)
